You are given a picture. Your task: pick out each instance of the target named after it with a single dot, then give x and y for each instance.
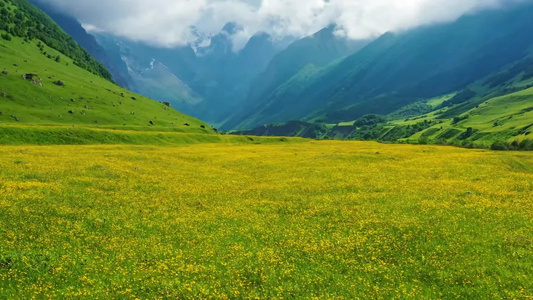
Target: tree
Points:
(58, 58)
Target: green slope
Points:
(503, 122)
(88, 108)
(507, 118)
(101, 115)
(86, 99)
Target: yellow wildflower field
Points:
(325, 220)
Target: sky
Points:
(169, 23)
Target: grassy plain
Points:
(342, 220)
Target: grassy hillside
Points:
(507, 118)
(325, 220)
(85, 100)
(92, 100)
(74, 28)
(22, 19)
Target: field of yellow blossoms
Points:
(324, 220)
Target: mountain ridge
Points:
(398, 69)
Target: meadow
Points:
(324, 220)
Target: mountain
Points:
(303, 56)
(224, 77)
(502, 122)
(153, 72)
(399, 69)
(52, 90)
(210, 81)
(495, 111)
(207, 82)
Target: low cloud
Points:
(168, 23)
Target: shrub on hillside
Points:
(525, 145)
(461, 97)
(459, 119)
(468, 133)
(370, 120)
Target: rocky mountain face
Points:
(207, 82)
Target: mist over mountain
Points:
(171, 23)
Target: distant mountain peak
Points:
(326, 31)
(232, 28)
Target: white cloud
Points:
(173, 22)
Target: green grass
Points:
(498, 119)
(343, 124)
(82, 135)
(509, 112)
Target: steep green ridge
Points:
(21, 19)
(74, 28)
(399, 69)
(496, 110)
(502, 119)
